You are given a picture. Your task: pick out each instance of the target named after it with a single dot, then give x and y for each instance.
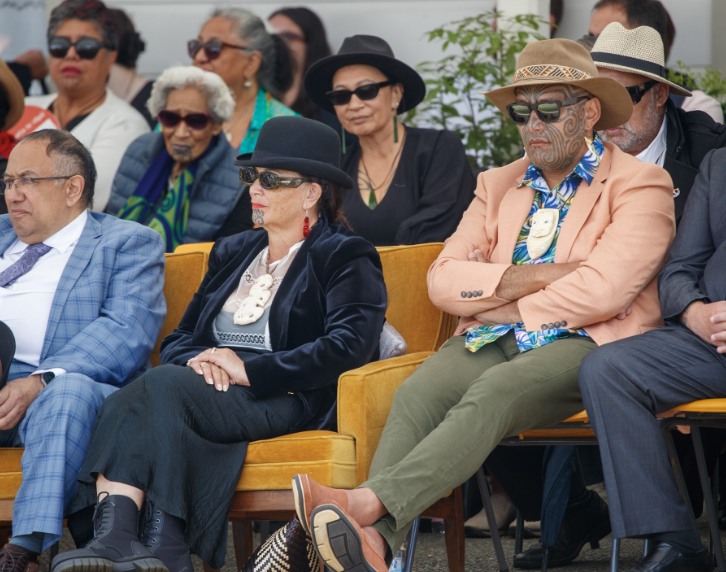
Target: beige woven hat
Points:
(639, 51)
(564, 61)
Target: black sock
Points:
(683, 540)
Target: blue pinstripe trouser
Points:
(55, 432)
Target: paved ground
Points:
(431, 554)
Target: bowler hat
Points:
(370, 51)
(560, 61)
(14, 94)
(639, 51)
(297, 144)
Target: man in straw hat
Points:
(657, 132)
(553, 247)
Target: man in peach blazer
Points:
(557, 254)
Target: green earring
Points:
(395, 128)
(342, 137)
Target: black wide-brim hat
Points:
(297, 144)
(370, 51)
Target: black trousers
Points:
(7, 351)
(184, 443)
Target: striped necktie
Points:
(31, 255)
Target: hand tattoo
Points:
(566, 137)
(258, 216)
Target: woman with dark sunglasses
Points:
(412, 185)
(181, 180)
(282, 312)
(255, 65)
(82, 43)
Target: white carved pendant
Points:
(542, 232)
(252, 307)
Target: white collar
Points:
(654, 152)
(61, 240)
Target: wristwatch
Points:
(46, 378)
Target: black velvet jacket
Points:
(326, 317)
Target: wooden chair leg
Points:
(208, 568)
(5, 533)
(454, 534)
(242, 538)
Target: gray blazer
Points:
(696, 267)
(214, 196)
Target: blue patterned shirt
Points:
(559, 198)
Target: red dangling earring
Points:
(306, 224)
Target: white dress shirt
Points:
(25, 305)
(655, 152)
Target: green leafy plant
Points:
(710, 81)
(485, 58)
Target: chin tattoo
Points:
(258, 216)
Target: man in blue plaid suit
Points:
(81, 293)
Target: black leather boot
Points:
(588, 523)
(164, 536)
(115, 546)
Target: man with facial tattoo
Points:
(532, 303)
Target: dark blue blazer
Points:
(326, 317)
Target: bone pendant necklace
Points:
(542, 232)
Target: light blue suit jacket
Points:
(109, 306)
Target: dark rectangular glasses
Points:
(547, 111)
(364, 92)
(637, 92)
(86, 48)
(212, 48)
(171, 119)
(269, 180)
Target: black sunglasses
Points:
(269, 180)
(212, 48)
(547, 111)
(196, 121)
(636, 92)
(364, 92)
(86, 48)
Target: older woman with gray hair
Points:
(83, 45)
(181, 181)
(255, 65)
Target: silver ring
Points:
(214, 350)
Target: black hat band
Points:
(628, 62)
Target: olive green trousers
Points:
(456, 408)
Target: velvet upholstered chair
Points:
(339, 459)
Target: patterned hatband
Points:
(549, 72)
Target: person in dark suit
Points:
(282, 312)
(626, 383)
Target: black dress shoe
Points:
(588, 523)
(115, 547)
(665, 558)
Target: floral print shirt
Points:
(558, 198)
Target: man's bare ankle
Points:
(376, 538)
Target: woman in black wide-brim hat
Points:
(411, 185)
(283, 311)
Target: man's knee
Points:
(599, 370)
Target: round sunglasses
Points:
(547, 111)
(86, 48)
(171, 119)
(364, 92)
(269, 180)
(637, 92)
(212, 48)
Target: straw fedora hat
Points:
(639, 51)
(14, 94)
(560, 61)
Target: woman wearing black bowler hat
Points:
(283, 311)
(411, 185)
